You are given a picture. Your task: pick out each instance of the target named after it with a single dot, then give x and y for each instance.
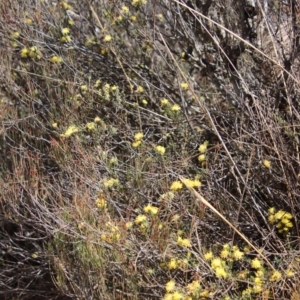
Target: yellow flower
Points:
(161, 150)
(144, 101)
(106, 88)
(66, 5)
(175, 108)
(184, 86)
(201, 157)
(54, 125)
(28, 21)
(237, 254)
(183, 242)
(138, 136)
(196, 183)
(225, 253)
(203, 147)
(257, 288)
(267, 163)
(24, 52)
(91, 126)
(65, 31)
(276, 275)
(168, 296)
(220, 272)
(271, 219)
(140, 219)
(256, 263)
(259, 273)
(283, 214)
(83, 88)
(247, 292)
(226, 246)
(257, 280)
(177, 296)
(205, 294)
(125, 9)
(101, 203)
(107, 38)
(164, 102)
(289, 273)
(97, 120)
(71, 22)
(176, 185)
(216, 263)
(189, 183)
(65, 39)
(172, 264)
(15, 35)
(111, 182)
(136, 144)
(170, 286)
(56, 59)
(193, 287)
(160, 17)
(138, 2)
(209, 255)
(152, 210)
(271, 210)
(133, 18)
(139, 89)
(71, 130)
(289, 224)
(128, 225)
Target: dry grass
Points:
(89, 208)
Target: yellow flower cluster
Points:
(219, 266)
(194, 287)
(164, 102)
(138, 2)
(113, 233)
(267, 163)
(141, 219)
(152, 210)
(184, 86)
(175, 108)
(183, 242)
(202, 149)
(71, 130)
(15, 35)
(167, 196)
(56, 59)
(65, 35)
(256, 263)
(125, 9)
(231, 253)
(110, 183)
(101, 202)
(160, 149)
(66, 6)
(172, 294)
(281, 218)
(137, 139)
(90, 126)
(173, 264)
(176, 185)
(191, 183)
(139, 89)
(32, 52)
(107, 38)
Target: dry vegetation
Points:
(149, 149)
